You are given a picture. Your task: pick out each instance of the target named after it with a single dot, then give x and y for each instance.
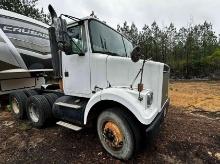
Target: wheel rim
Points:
(33, 112)
(113, 136)
(15, 106)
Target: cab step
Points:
(68, 125)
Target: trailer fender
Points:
(125, 98)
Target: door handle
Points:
(66, 74)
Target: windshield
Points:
(106, 40)
(128, 46)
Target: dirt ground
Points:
(190, 134)
(204, 95)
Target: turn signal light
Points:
(140, 87)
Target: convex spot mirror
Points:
(62, 38)
(136, 54)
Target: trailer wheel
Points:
(116, 134)
(30, 92)
(17, 101)
(38, 110)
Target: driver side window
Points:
(77, 34)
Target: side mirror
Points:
(61, 36)
(136, 54)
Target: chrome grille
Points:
(166, 75)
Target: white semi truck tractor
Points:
(102, 80)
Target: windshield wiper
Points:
(111, 53)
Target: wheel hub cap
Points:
(34, 114)
(113, 135)
(15, 106)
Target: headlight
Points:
(149, 99)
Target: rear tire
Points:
(38, 110)
(115, 134)
(30, 92)
(51, 98)
(17, 101)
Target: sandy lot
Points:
(194, 95)
(190, 134)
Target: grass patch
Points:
(25, 126)
(8, 108)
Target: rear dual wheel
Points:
(17, 102)
(30, 92)
(51, 98)
(38, 110)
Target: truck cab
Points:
(103, 80)
(100, 66)
(101, 46)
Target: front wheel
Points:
(116, 134)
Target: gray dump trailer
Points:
(24, 52)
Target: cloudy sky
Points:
(180, 12)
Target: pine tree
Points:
(25, 7)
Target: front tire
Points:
(116, 134)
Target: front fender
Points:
(126, 97)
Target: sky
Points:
(180, 12)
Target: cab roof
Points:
(94, 18)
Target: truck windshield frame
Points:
(106, 40)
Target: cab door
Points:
(107, 47)
(75, 67)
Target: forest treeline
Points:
(25, 7)
(191, 52)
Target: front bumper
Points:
(155, 125)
